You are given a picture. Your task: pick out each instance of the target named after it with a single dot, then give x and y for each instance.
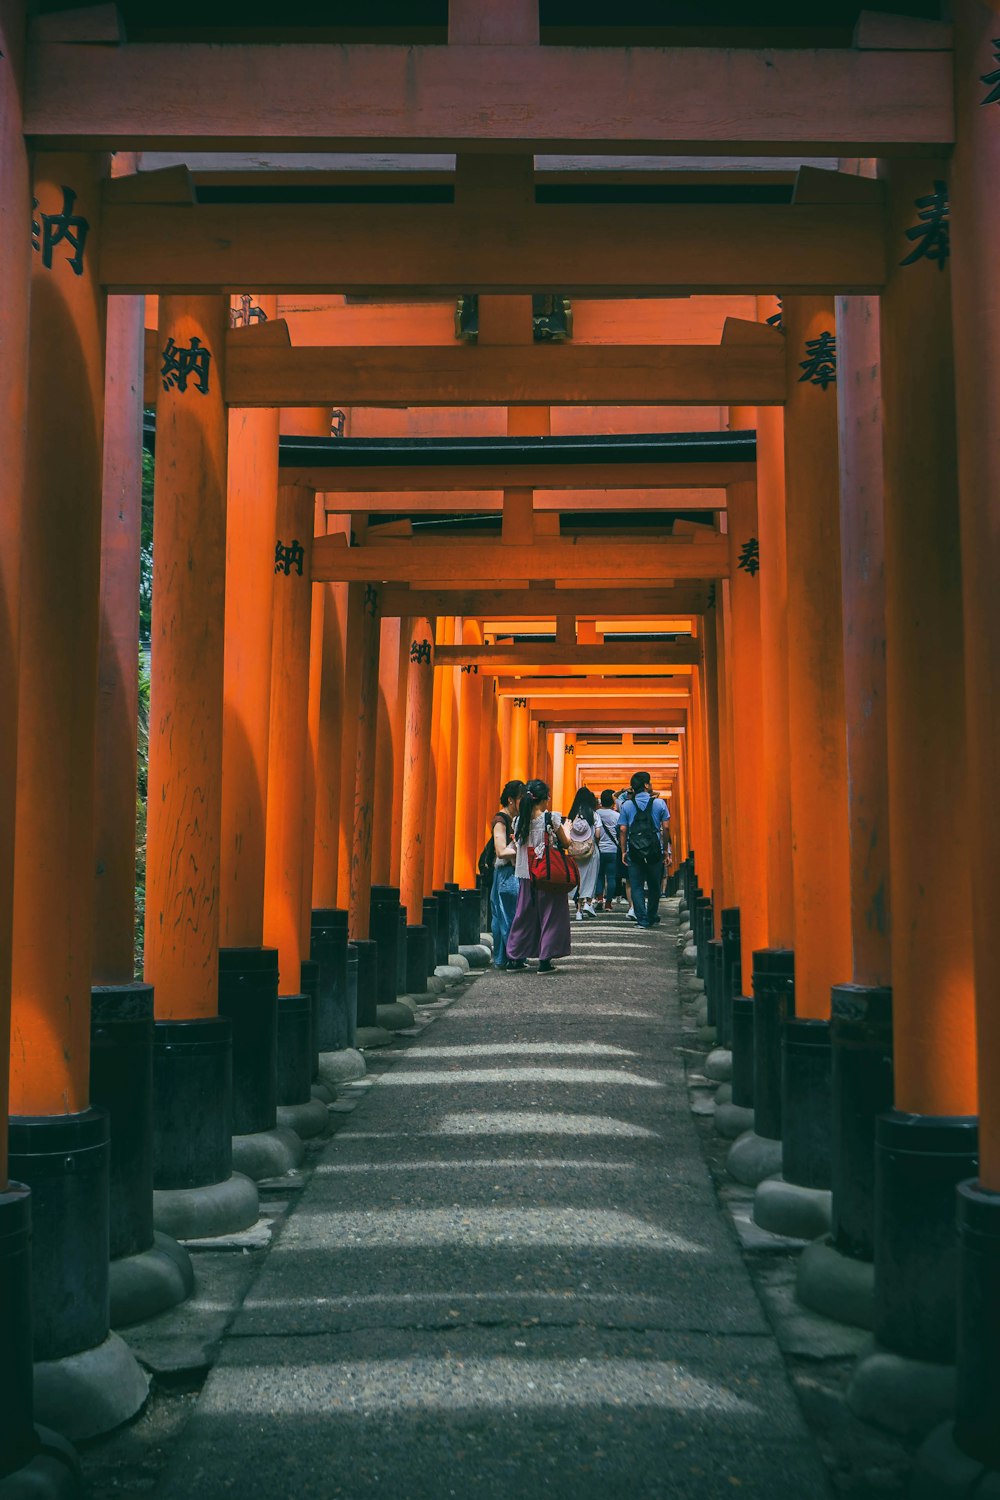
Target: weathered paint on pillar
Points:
(558, 782)
(356, 632)
(60, 557)
(932, 984)
(251, 538)
(329, 720)
(570, 778)
(727, 791)
(519, 739)
(470, 732)
(398, 738)
(444, 801)
(283, 863)
(774, 665)
(814, 646)
(364, 774)
(15, 278)
(506, 724)
(862, 542)
(713, 633)
(749, 772)
(976, 311)
(388, 749)
(419, 692)
(184, 818)
(310, 801)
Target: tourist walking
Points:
(582, 818)
(541, 927)
(641, 823)
(606, 827)
(503, 891)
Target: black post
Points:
(328, 946)
(862, 1089)
(743, 1051)
(430, 917)
(417, 942)
(383, 931)
(806, 1106)
(732, 972)
(365, 950)
(248, 998)
(773, 1005)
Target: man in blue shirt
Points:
(641, 823)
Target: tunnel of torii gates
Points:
(748, 544)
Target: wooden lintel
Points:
(816, 185)
(587, 250)
(564, 557)
(167, 185)
(663, 655)
(617, 600)
(326, 97)
(451, 502)
(516, 375)
(570, 476)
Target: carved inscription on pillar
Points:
(182, 364)
(64, 227)
(749, 558)
(288, 557)
(993, 79)
(520, 702)
(933, 232)
(471, 669)
(420, 651)
(820, 364)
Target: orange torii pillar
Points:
(714, 645)
(861, 1012)
(468, 815)
(328, 728)
(927, 1144)
(975, 241)
(746, 918)
(558, 780)
(55, 1137)
(284, 864)
(569, 780)
(198, 1193)
(520, 718)
(357, 635)
(388, 748)
(18, 1440)
(505, 726)
(248, 970)
(421, 942)
(727, 795)
(449, 630)
(147, 1275)
(324, 922)
(792, 996)
(365, 643)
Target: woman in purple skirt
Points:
(541, 923)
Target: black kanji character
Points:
(749, 559)
(54, 228)
(287, 558)
(248, 312)
(820, 363)
(181, 365)
(933, 233)
(420, 651)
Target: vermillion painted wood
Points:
(288, 742)
(416, 810)
(976, 308)
(184, 817)
(251, 536)
(59, 550)
(932, 984)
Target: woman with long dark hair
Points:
(541, 923)
(606, 828)
(583, 847)
(504, 890)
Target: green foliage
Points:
(142, 789)
(146, 548)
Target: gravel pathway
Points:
(509, 1274)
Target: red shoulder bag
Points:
(553, 869)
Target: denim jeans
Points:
(607, 879)
(645, 902)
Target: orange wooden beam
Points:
(372, 502)
(661, 656)
(584, 249)
(570, 476)
(415, 560)
(464, 375)
(507, 603)
(698, 100)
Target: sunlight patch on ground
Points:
(540, 1122)
(424, 1077)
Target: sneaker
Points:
(515, 964)
(588, 909)
(631, 915)
(546, 966)
(579, 915)
(654, 921)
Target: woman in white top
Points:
(583, 847)
(505, 887)
(541, 923)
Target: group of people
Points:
(542, 861)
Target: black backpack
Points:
(486, 863)
(643, 839)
